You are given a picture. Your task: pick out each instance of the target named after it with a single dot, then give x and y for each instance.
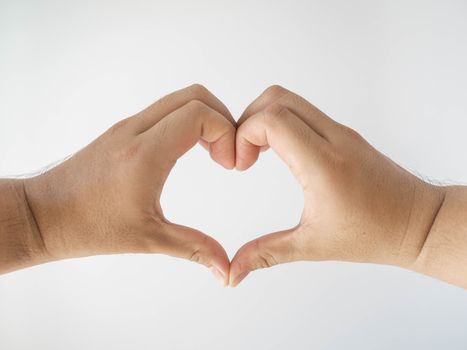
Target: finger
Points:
(204, 144)
(312, 116)
(168, 104)
(182, 129)
(188, 243)
(267, 97)
(295, 143)
(277, 95)
(263, 252)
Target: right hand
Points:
(359, 205)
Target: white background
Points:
(394, 70)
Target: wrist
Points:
(46, 209)
(443, 253)
(21, 241)
(52, 200)
(427, 203)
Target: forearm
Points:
(20, 240)
(443, 254)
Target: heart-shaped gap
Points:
(233, 207)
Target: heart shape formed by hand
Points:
(349, 188)
(106, 198)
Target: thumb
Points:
(188, 243)
(266, 251)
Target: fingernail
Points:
(236, 280)
(218, 275)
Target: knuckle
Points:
(198, 90)
(197, 252)
(350, 133)
(119, 126)
(265, 258)
(275, 90)
(269, 260)
(274, 109)
(273, 113)
(196, 256)
(196, 106)
(273, 93)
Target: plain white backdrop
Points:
(394, 70)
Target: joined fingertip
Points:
(240, 168)
(243, 167)
(229, 165)
(242, 164)
(218, 275)
(235, 281)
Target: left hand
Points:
(105, 199)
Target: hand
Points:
(105, 199)
(359, 205)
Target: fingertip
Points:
(238, 272)
(222, 150)
(246, 157)
(193, 245)
(246, 153)
(229, 164)
(223, 156)
(219, 259)
(239, 278)
(235, 279)
(241, 167)
(221, 277)
(219, 263)
(219, 266)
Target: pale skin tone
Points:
(359, 205)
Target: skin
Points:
(359, 205)
(105, 199)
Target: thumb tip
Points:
(234, 280)
(238, 272)
(219, 276)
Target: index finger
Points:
(180, 130)
(150, 116)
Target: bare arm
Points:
(20, 240)
(359, 205)
(444, 251)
